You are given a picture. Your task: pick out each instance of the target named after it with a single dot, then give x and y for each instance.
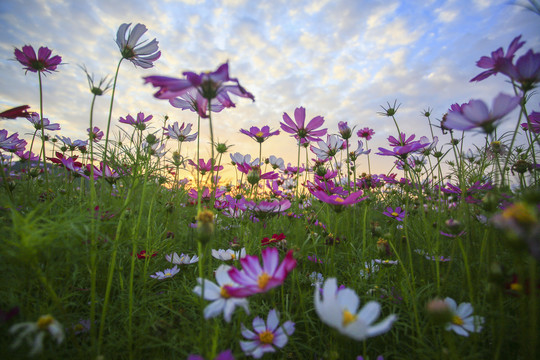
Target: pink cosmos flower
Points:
(475, 114)
(266, 208)
(139, 122)
(204, 167)
(210, 85)
(27, 156)
(43, 62)
(299, 130)
(534, 121)
(19, 111)
(397, 214)
(335, 199)
(180, 133)
(138, 53)
(254, 279)
(95, 134)
(526, 71)
(266, 335)
(259, 135)
(494, 63)
(365, 133)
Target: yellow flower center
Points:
(224, 293)
(266, 337)
(457, 320)
(338, 199)
(394, 214)
(44, 321)
(516, 287)
(168, 274)
(263, 280)
(348, 317)
(233, 256)
(259, 134)
(519, 212)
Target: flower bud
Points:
(439, 311)
(205, 225)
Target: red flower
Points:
(143, 254)
(19, 111)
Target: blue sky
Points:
(338, 59)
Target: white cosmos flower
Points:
(339, 309)
(463, 322)
(222, 302)
(34, 333)
(182, 259)
(229, 254)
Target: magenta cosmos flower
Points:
(11, 143)
(43, 62)
(210, 85)
(526, 71)
(224, 355)
(397, 214)
(259, 135)
(95, 134)
(335, 199)
(534, 121)
(475, 114)
(265, 336)
(254, 278)
(138, 123)
(494, 63)
(204, 167)
(139, 53)
(365, 133)
(299, 130)
(19, 111)
(344, 130)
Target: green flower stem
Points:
(112, 264)
(42, 131)
(104, 157)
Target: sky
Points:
(340, 59)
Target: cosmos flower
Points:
(210, 85)
(277, 163)
(463, 322)
(139, 53)
(222, 301)
(526, 71)
(43, 62)
(95, 134)
(365, 133)
(328, 149)
(229, 254)
(138, 123)
(16, 112)
(253, 278)
(11, 143)
(335, 199)
(38, 124)
(266, 336)
(194, 101)
(534, 120)
(397, 214)
(224, 355)
(167, 273)
(264, 208)
(259, 135)
(369, 269)
(344, 130)
(493, 64)
(34, 333)
(204, 167)
(182, 259)
(339, 309)
(299, 130)
(180, 133)
(359, 151)
(475, 114)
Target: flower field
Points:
(120, 246)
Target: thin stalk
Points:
(104, 157)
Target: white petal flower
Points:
(463, 322)
(339, 309)
(222, 302)
(229, 254)
(182, 259)
(34, 333)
